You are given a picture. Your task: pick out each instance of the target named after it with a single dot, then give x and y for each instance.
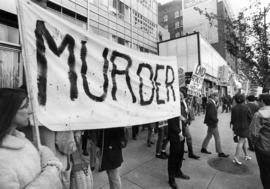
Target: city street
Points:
(142, 170)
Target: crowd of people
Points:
(66, 159)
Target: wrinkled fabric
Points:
(260, 130)
(20, 166)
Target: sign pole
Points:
(35, 129)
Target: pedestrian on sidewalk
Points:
(135, 131)
(204, 102)
(175, 159)
(253, 106)
(151, 133)
(260, 133)
(211, 120)
(162, 141)
(240, 119)
(111, 141)
(186, 123)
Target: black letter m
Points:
(40, 32)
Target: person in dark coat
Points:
(211, 121)
(111, 141)
(253, 107)
(185, 125)
(240, 120)
(176, 151)
(204, 101)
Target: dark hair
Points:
(251, 98)
(265, 97)
(10, 102)
(239, 98)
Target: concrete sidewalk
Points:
(142, 170)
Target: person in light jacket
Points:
(21, 164)
(260, 133)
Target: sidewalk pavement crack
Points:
(134, 183)
(126, 173)
(211, 180)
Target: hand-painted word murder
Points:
(68, 41)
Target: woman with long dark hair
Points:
(240, 119)
(21, 164)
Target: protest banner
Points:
(223, 75)
(196, 82)
(79, 80)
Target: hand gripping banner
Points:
(79, 80)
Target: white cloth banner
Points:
(79, 80)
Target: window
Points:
(176, 14)
(9, 34)
(165, 18)
(177, 34)
(177, 24)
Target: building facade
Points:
(170, 17)
(132, 23)
(224, 13)
(214, 31)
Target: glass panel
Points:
(10, 69)
(9, 34)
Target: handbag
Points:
(235, 139)
(81, 174)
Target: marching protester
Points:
(150, 134)
(253, 107)
(111, 141)
(204, 101)
(162, 142)
(211, 120)
(240, 119)
(21, 164)
(185, 124)
(175, 159)
(225, 103)
(135, 131)
(260, 133)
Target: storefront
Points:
(192, 50)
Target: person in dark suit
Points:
(185, 124)
(176, 151)
(240, 120)
(211, 120)
(176, 155)
(111, 141)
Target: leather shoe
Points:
(173, 185)
(161, 156)
(182, 176)
(193, 156)
(223, 155)
(203, 150)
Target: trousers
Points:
(114, 178)
(212, 132)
